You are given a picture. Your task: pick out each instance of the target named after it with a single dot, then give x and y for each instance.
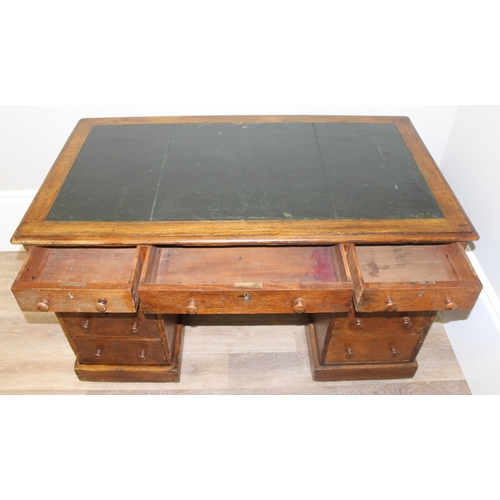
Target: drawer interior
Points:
(412, 263)
(79, 265)
(245, 266)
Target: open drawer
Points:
(80, 279)
(245, 280)
(412, 278)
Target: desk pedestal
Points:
(125, 347)
(366, 346)
(342, 346)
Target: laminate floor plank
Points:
(233, 335)
(222, 355)
(448, 387)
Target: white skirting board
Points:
(13, 206)
(474, 335)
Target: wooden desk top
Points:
(244, 180)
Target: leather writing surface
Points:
(244, 171)
(115, 176)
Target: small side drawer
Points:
(80, 279)
(119, 351)
(382, 348)
(381, 322)
(84, 325)
(245, 280)
(412, 278)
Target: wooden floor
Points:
(222, 355)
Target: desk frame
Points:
(323, 329)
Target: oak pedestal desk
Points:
(344, 220)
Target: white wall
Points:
(471, 164)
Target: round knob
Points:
(98, 354)
(390, 305)
(299, 306)
(358, 324)
(43, 305)
(135, 327)
(394, 352)
(142, 355)
(349, 353)
(101, 305)
(85, 326)
(192, 307)
(450, 304)
(406, 322)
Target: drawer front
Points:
(115, 325)
(382, 348)
(245, 301)
(383, 323)
(412, 278)
(245, 280)
(75, 300)
(80, 280)
(119, 351)
(417, 298)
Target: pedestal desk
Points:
(344, 220)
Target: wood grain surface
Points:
(257, 354)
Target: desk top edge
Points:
(137, 120)
(33, 229)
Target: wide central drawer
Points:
(245, 280)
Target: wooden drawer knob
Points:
(358, 324)
(390, 305)
(349, 353)
(101, 305)
(299, 306)
(98, 354)
(192, 307)
(406, 322)
(394, 352)
(450, 304)
(142, 355)
(135, 328)
(85, 326)
(43, 305)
